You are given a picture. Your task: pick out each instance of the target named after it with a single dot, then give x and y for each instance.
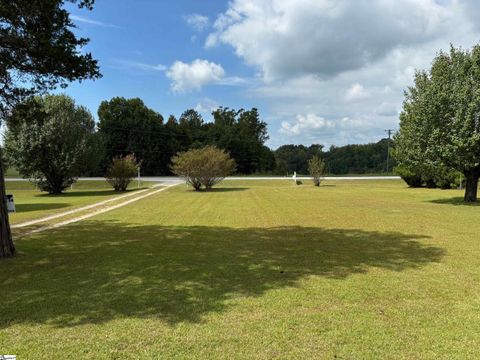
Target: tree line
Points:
(339, 160)
(128, 126)
(53, 140)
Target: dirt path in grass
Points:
(98, 207)
(76, 210)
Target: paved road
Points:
(173, 179)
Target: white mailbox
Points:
(10, 203)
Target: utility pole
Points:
(389, 132)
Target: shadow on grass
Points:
(99, 271)
(454, 201)
(20, 208)
(218, 190)
(88, 193)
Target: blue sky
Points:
(130, 39)
(319, 71)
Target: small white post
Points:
(138, 177)
(294, 177)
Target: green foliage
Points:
(128, 126)
(47, 141)
(316, 167)
(281, 167)
(242, 133)
(92, 162)
(121, 172)
(39, 50)
(438, 177)
(349, 159)
(445, 178)
(439, 124)
(359, 158)
(290, 158)
(410, 177)
(206, 166)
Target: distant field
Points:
(253, 269)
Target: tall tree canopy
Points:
(440, 121)
(128, 126)
(47, 140)
(243, 134)
(38, 51)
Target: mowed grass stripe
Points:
(272, 270)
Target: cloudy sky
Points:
(319, 71)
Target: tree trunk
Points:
(6, 243)
(471, 186)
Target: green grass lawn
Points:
(267, 269)
(32, 204)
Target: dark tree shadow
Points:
(38, 207)
(218, 190)
(88, 193)
(96, 271)
(454, 201)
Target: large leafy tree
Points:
(38, 51)
(440, 121)
(191, 130)
(48, 140)
(128, 126)
(243, 134)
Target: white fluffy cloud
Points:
(186, 77)
(347, 61)
(197, 22)
(284, 38)
(206, 106)
(302, 124)
(318, 130)
(356, 92)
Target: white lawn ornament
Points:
(294, 177)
